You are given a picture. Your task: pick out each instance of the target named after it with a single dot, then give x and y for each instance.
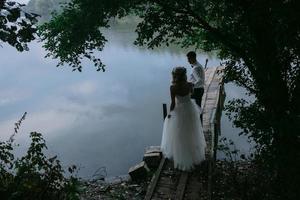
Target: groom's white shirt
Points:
(198, 75)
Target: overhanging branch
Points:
(188, 11)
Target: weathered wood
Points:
(154, 180)
(153, 149)
(181, 186)
(152, 159)
(139, 171)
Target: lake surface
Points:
(94, 119)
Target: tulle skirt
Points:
(183, 139)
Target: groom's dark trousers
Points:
(197, 95)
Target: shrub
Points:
(34, 176)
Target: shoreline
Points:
(111, 188)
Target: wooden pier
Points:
(170, 184)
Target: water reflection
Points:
(93, 119)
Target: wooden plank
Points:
(138, 171)
(152, 159)
(181, 186)
(212, 94)
(153, 149)
(166, 180)
(209, 78)
(167, 185)
(155, 180)
(164, 191)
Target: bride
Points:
(183, 139)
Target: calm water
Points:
(94, 119)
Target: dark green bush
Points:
(34, 176)
(246, 177)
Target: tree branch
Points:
(204, 24)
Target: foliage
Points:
(17, 27)
(34, 175)
(245, 180)
(75, 33)
(240, 176)
(228, 148)
(258, 41)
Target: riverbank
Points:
(116, 188)
(228, 181)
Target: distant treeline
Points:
(45, 7)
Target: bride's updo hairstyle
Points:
(179, 75)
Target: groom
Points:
(196, 77)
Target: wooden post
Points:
(164, 110)
(206, 61)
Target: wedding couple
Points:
(183, 139)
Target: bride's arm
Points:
(172, 92)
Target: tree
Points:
(17, 27)
(258, 40)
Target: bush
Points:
(34, 176)
(238, 176)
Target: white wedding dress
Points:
(183, 139)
